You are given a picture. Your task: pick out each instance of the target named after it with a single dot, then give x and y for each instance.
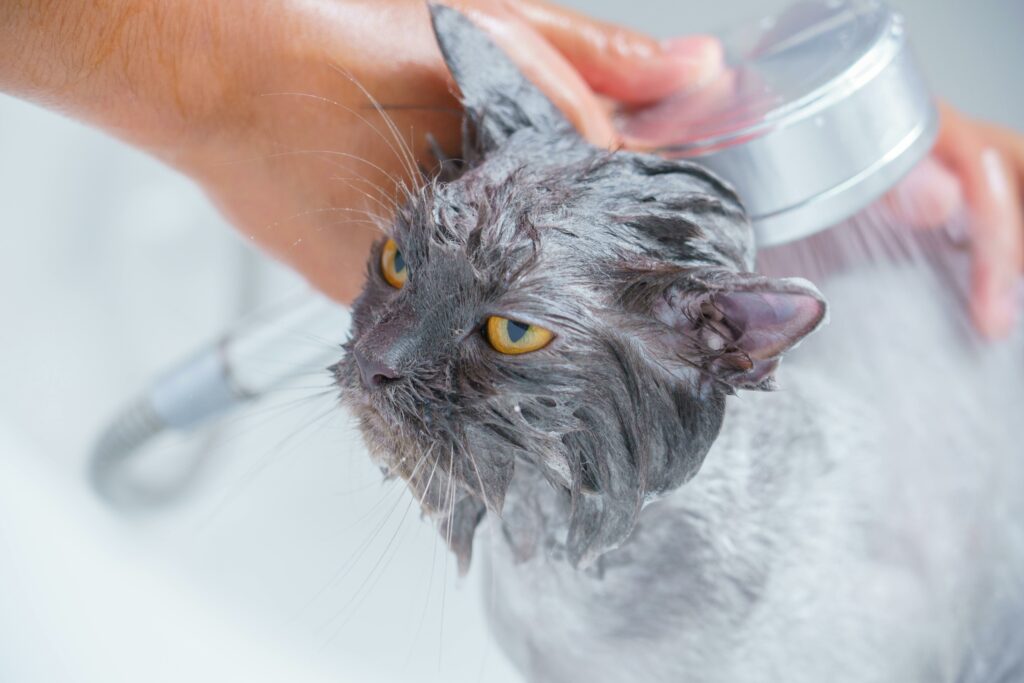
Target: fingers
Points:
(570, 57)
(667, 122)
(998, 247)
(929, 197)
(990, 185)
(546, 68)
(1010, 143)
(625, 65)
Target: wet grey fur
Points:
(790, 556)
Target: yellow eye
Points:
(392, 265)
(513, 337)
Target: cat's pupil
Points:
(516, 331)
(399, 262)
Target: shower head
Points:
(820, 110)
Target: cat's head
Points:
(582, 310)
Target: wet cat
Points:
(570, 343)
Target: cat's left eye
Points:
(393, 266)
(513, 337)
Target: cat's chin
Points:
(396, 456)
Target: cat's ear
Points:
(736, 326)
(497, 98)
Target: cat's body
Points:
(569, 342)
(836, 531)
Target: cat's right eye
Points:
(512, 337)
(392, 265)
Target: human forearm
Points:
(152, 73)
(268, 104)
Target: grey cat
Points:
(556, 338)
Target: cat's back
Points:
(863, 523)
(942, 500)
(897, 518)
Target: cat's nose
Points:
(373, 371)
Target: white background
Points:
(285, 558)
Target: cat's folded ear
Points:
(497, 98)
(736, 326)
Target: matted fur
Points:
(804, 550)
(622, 255)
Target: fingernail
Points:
(1007, 307)
(1000, 314)
(995, 173)
(929, 196)
(697, 59)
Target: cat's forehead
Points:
(498, 222)
(545, 199)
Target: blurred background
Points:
(284, 556)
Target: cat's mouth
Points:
(387, 412)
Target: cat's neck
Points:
(771, 450)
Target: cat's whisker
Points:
(349, 182)
(273, 411)
(378, 225)
(296, 370)
(321, 390)
(388, 488)
(322, 210)
(347, 568)
(376, 482)
(326, 156)
(492, 593)
(348, 565)
(279, 409)
(331, 157)
(408, 155)
(270, 455)
(400, 154)
(393, 484)
(359, 594)
(279, 449)
(323, 342)
(448, 539)
(348, 221)
(426, 600)
(395, 206)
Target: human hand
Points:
(313, 155)
(267, 105)
(980, 167)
